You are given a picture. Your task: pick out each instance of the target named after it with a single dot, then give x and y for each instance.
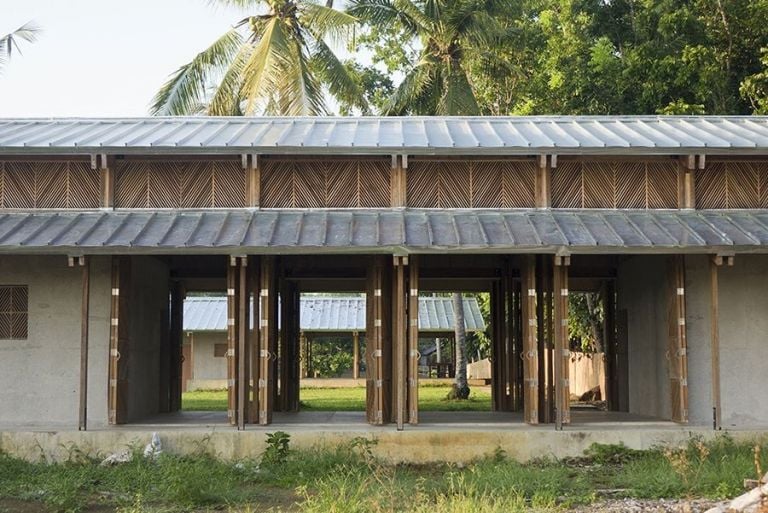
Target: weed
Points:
(277, 449)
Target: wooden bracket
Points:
(73, 261)
(723, 259)
(563, 260)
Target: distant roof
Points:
(384, 135)
(335, 314)
(384, 231)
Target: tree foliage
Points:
(574, 56)
(9, 43)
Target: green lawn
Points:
(431, 398)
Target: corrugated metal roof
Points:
(335, 314)
(383, 135)
(383, 231)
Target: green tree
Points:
(9, 43)
(445, 33)
(276, 63)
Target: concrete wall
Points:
(40, 376)
(208, 371)
(640, 288)
(743, 340)
(148, 308)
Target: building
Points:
(204, 349)
(107, 223)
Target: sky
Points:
(102, 57)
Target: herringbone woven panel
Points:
(712, 186)
(19, 185)
(51, 185)
(373, 183)
(131, 185)
(164, 181)
(742, 183)
(228, 185)
(422, 184)
(197, 185)
(83, 183)
(342, 184)
(599, 185)
(567, 190)
(661, 183)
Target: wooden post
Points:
(119, 344)
(610, 346)
(543, 182)
(252, 389)
(714, 263)
(686, 193)
(677, 343)
(398, 181)
(562, 351)
(530, 342)
(232, 282)
(305, 354)
(243, 347)
(107, 181)
(84, 265)
(253, 180)
(413, 340)
(268, 340)
(399, 335)
(356, 355)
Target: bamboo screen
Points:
(604, 184)
(325, 184)
(732, 184)
(179, 184)
(471, 184)
(48, 184)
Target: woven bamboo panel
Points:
(54, 184)
(712, 187)
(631, 186)
(500, 184)
(567, 190)
(661, 184)
(179, 184)
(14, 301)
(322, 183)
(373, 183)
(614, 184)
(733, 184)
(228, 185)
(423, 184)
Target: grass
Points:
(431, 398)
(349, 479)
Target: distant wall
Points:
(640, 290)
(40, 376)
(208, 371)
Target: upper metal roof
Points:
(384, 135)
(335, 314)
(383, 231)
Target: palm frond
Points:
(334, 74)
(262, 69)
(300, 92)
(10, 42)
(325, 22)
(227, 98)
(187, 86)
(383, 13)
(408, 94)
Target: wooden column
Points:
(305, 354)
(119, 340)
(399, 340)
(544, 182)
(677, 343)
(398, 181)
(232, 310)
(379, 342)
(243, 346)
(107, 181)
(176, 341)
(252, 168)
(356, 355)
(545, 332)
(267, 339)
(84, 265)
(413, 340)
(686, 181)
(562, 353)
(530, 342)
(715, 262)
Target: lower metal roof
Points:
(335, 314)
(383, 231)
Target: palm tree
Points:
(275, 63)
(9, 43)
(460, 385)
(448, 31)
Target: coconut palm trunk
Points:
(460, 385)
